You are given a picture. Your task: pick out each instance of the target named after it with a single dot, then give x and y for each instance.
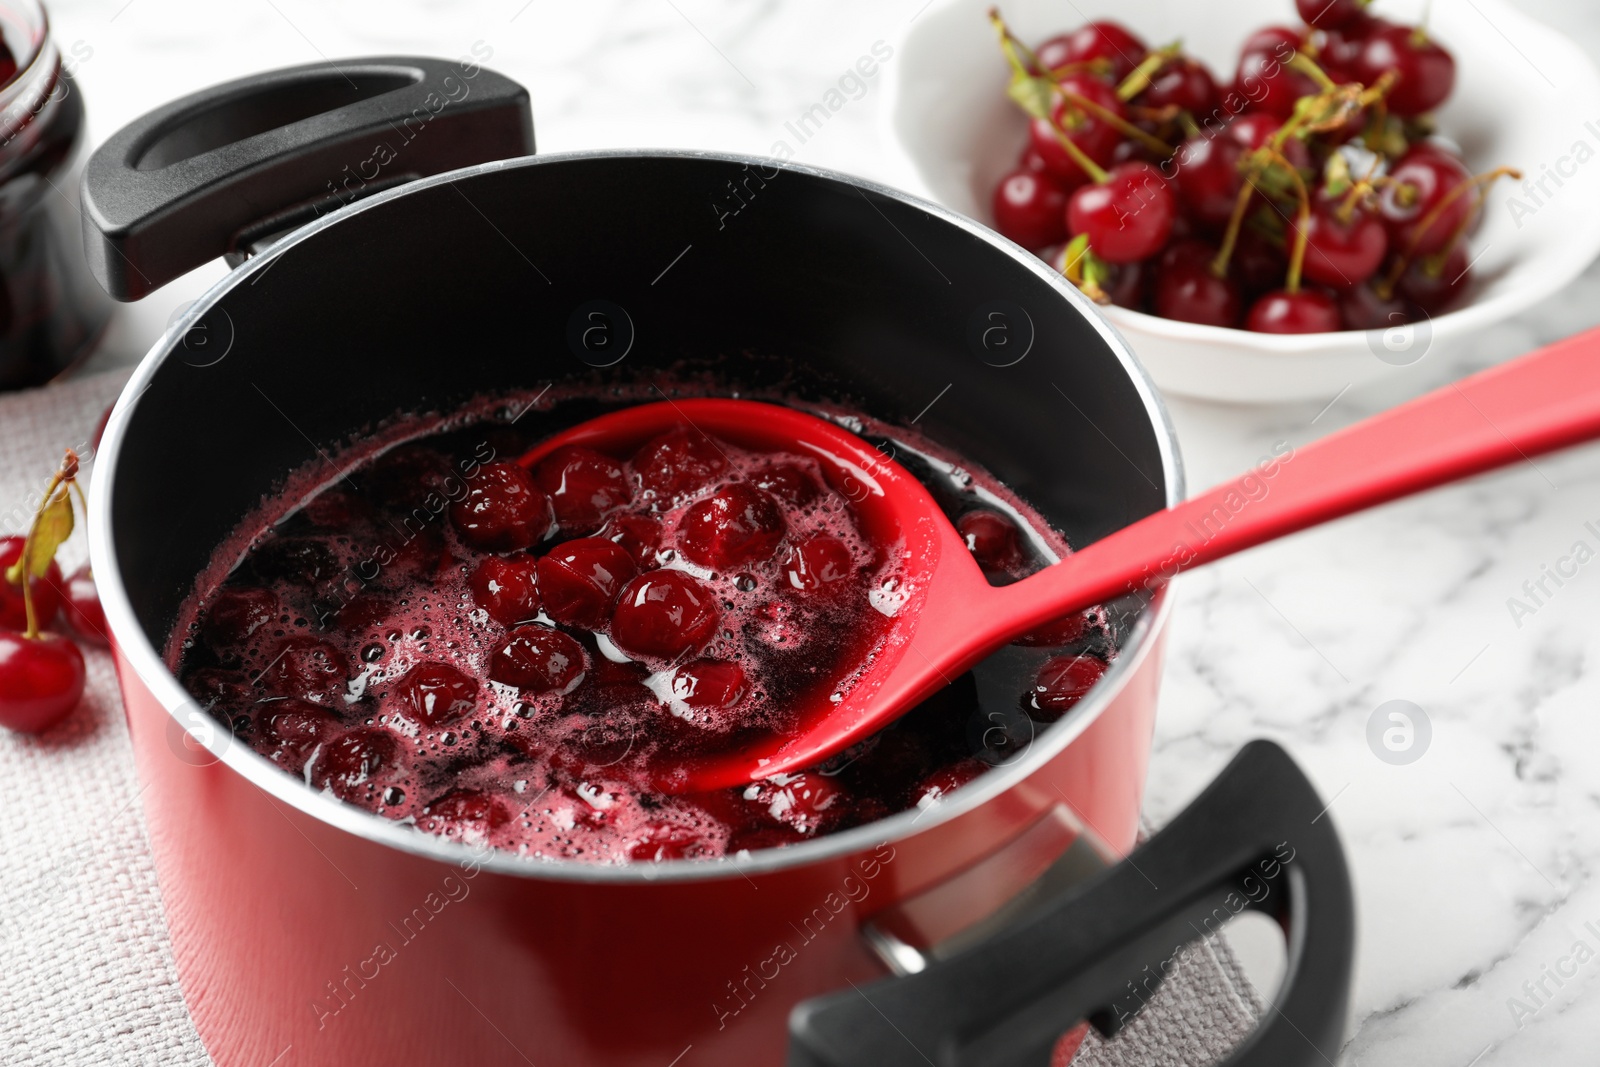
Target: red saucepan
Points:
(386, 263)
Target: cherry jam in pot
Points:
(494, 653)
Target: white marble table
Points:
(1474, 863)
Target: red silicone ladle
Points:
(949, 617)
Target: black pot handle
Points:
(1256, 838)
(219, 170)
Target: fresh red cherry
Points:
(1253, 129)
(1186, 290)
(1419, 183)
(1184, 83)
(583, 485)
(1266, 80)
(1328, 14)
(467, 811)
(307, 667)
(1029, 209)
(789, 482)
(298, 727)
(1307, 311)
(46, 591)
(579, 580)
(1097, 138)
(1030, 160)
(80, 606)
(738, 524)
(678, 462)
(354, 760)
(1434, 284)
(1106, 40)
(1340, 46)
(503, 510)
(664, 614)
(1426, 73)
(1280, 41)
(1062, 682)
(992, 539)
(435, 693)
(1342, 251)
(41, 680)
(237, 612)
(665, 841)
(709, 685)
(1128, 284)
(1128, 217)
(817, 563)
(809, 802)
(1257, 263)
(1361, 308)
(540, 660)
(639, 535)
(1207, 177)
(937, 787)
(506, 588)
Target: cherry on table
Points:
(815, 564)
(1128, 217)
(1105, 40)
(1306, 311)
(1061, 683)
(664, 614)
(737, 524)
(435, 693)
(540, 660)
(503, 510)
(1030, 208)
(584, 486)
(507, 588)
(1187, 290)
(678, 462)
(1426, 73)
(579, 580)
(46, 591)
(41, 680)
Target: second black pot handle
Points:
(207, 175)
(1255, 838)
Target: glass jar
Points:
(51, 310)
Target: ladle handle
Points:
(1540, 402)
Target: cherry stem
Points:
(1308, 66)
(1479, 183)
(1095, 171)
(1302, 220)
(1139, 78)
(32, 633)
(1230, 236)
(1117, 122)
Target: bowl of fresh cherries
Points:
(1275, 206)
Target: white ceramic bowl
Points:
(1525, 96)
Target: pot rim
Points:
(134, 647)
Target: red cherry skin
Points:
(664, 614)
(711, 685)
(1186, 290)
(41, 681)
(1252, 129)
(1062, 682)
(808, 802)
(504, 510)
(1265, 79)
(80, 606)
(1360, 308)
(1257, 263)
(738, 524)
(435, 693)
(579, 580)
(353, 760)
(789, 482)
(1281, 41)
(237, 612)
(1029, 209)
(1329, 14)
(540, 660)
(507, 588)
(1184, 83)
(1093, 135)
(1340, 46)
(1280, 311)
(1207, 177)
(1128, 284)
(639, 535)
(1343, 252)
(678, 462)
(307, 667)
(1426, 72)
(298, 727)
(1435, 285)
(46, 591)
(214, 687)
(817, 563)
(465, 811)
(1128, 217)
(1422, 180)
(1094, 40)
(583, 485)
(992, 539)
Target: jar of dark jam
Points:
(51, 310)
